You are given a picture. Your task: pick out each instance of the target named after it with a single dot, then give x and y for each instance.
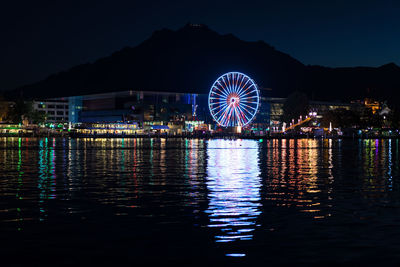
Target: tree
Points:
(4, 109)
(394, 118)
(370, 119)
(24, 109)
(19, 110)
(37, 117)
(296, 105)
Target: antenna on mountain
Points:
(195, 25)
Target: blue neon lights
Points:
(233, 99)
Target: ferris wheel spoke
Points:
(238, 116)
(225, 94)
(217, 94)
(243, 121)
(225, 115)
(222, 116)
(226, 86)
(217, 103)
(247, 90)
(246, 111)
(218, 100)
(244, 92)
(243, 113)
(222, 89)
(222, 108)
(229, 82)
(233, 82)
(240, 84)
(229, 89)
(229, 115)
(249, 106)
(232, 114)
(236, 83)
(219, 119)
(242, 87)
(215, 108)
(221, 95)
(238, 120)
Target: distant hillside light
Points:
(234, 100)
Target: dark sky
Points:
(43, 37)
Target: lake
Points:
(127, 201)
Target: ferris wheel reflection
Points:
(234, 185)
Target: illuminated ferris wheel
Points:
(233, 100)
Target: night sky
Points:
(39, 38)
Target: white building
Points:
(56, 110)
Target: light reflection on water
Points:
(237, 192)
(299, 167)
(233, 184)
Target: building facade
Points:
(157, 110)
(138, 106)
(57, 110)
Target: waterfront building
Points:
(125, 112)
(10, 129)
(57, 110)
(99, 129)
(369, 104)
(271, 110)
(137, 112)
(125, 106)
(322, 106)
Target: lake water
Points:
(125, 201)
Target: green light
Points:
(261, 140)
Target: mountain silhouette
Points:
(191, 58)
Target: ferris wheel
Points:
(233, 100)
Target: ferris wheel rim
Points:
(226, 91)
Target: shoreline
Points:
(205, 137)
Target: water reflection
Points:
(248, 194)
(47, 174)
(234, 185)
(299, 174)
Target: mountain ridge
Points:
(192, 57)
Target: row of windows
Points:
(58, 112)
(57, 119)
(171, 98)
(53, 106)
